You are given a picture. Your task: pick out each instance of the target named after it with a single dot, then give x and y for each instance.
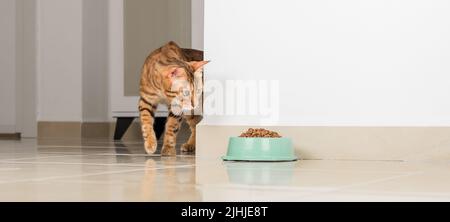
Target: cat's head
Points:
(183, 82)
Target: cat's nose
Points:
(187, 105)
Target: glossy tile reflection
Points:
(260, 173)
(100, 170)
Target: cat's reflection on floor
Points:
(164, 180)
(123, 154)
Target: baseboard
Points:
(342, 143)
(10, 136)
(132, 134)
(59, 130)
(96, 130)
(74, 130)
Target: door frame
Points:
(26, 68)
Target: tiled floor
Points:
(99, 170)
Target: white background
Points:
(347, 62)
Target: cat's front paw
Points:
(150, 146)
(188, 148)
(168, 151)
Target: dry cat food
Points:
(260, 133)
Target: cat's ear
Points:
(198, 65)
(173, 72)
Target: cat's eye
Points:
(186, 93)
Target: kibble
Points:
(260, 133)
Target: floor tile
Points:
(102, 170)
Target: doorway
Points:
(146, 25)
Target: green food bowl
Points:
(260, 149)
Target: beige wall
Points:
(148, 25)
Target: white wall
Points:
(73, 61)
(17, 67)
(80, 60)
(7, 66)
(60, 60)
(346, 62)
(95, 61)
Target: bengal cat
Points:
(173, 76)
